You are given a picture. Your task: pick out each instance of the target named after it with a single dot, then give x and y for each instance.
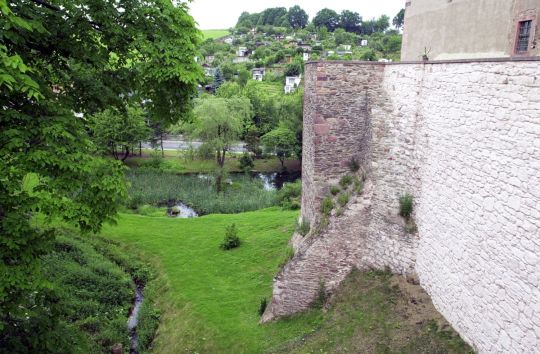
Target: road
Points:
(177, 143)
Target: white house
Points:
(291, 83)
(228, 40)
(242, 52)
(258, 74)
(364, 42)
(305, 56)
(238, 60)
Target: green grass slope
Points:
(213, 296)
(210, 298)
(214, 33)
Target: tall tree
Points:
(280, 141)
(218, 78)
(298, 18)
(113, 130)
(220, 122)
(326, 18)
(56, 58)
(399, 19)
(350, 21)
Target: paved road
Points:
(177, 143)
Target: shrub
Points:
(303, 228)
(339, 211)
(334, 190)
(262, 306)
(322, 296)
(345, 181)
(231, 239)
(354, 166)
(326, 206)
(343, 199)
(155, 162)
(246, 162)
(289, 196)
(134, 202)
(358, 185)
(406, 205)
(205, 152)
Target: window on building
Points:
(524, 32)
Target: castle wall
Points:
(464, 139)
(467, 29)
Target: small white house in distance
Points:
(305, 56)
(363, 42)
(228, 40)
(258, 74)
(291, 83)
(346, 47)
(238, 60)
(242, 52)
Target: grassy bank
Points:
(91, 292)
(213, 296)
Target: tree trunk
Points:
(222, 161)
(282, 160)
(113, 151)
(140, 148)
(126, 153)
(161, 140)
(219, 177)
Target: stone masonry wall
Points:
(464, 140)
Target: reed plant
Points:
(240, 193)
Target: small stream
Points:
(133, 319)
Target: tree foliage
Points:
(327, 18)
(281, 141)
(350, 21)
(298, 18)
(220, 122)
(399, 19)
(57, 58)
(114, 130)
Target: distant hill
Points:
(214, 33)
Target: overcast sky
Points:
(222, 14)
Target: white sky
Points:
(223, 14)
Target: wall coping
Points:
(430, 62)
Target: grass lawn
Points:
(210, 297)
(213, 296)
(214, 33)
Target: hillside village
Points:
(273, 45)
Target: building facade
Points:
(470, 29)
